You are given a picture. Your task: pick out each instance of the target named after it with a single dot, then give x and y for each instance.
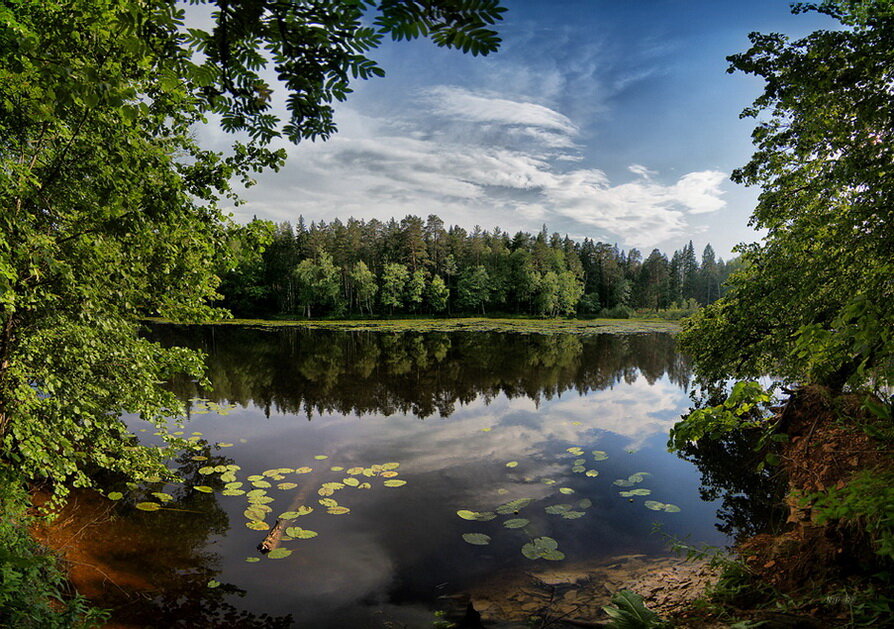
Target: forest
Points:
(416, 266)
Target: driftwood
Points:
(274, 535)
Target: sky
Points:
(613, 120)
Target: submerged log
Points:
(272, 539)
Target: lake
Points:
(423, 465)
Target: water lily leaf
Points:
(638, 477)
(336, 468)
(623, 482)
(578, 469)
(390, 466)
(486, 429)
(224, 445)
(333, 486)
(502, 491)
(516, 523)
(261, 483)
(339, 510)
(199, 457)
(599, 455)
(213, 584)
(279, 553)
(553, 555)
(579, 461)
(304, 470)
(228, 477)
(255, 477)
(573, 515)
(163, 496)
(512, 464)
(232, 492)
(220, 468)
(545, 547)
(287, 485)
(592, 473)
(321, 457)
(355, 470)
(325, 491)
(639, 491)
(566, 490)
(254, 512)
(206, 470)
(260, 500)
(485, 516)
(328, 502)
(389, 474)
(296, 532)
(575, 450)
(257, 525)
(672, 508)
(114, 495)
(350, 481)
(148, 506)
(514, 506)
(557, 509)
(654, 505)
(586, 503)
(252, 559)
(270, 472)
(205, 489)
(394, 483)
(364, 486)
(477, 539)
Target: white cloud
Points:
(474, 158)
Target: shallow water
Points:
(475, 420)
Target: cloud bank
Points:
(479, 158)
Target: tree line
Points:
(417, 266)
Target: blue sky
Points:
(614, 120)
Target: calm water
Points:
(475, 420)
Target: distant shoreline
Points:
(464, 324)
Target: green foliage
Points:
(744, 407)
(33, 591)
(866, 501)
(813, 301)
(629, 612)
(110, 206)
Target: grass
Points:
(471, 324)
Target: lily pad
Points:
(575, 450)
(233, 485)
(205, 489)
(232, 492)
(339, 510)
(257, 525)
(296, 532)
(304, 470)
(578, 469)
(542, 547)
(279, 553)
(148, 506)
(388, 474)
(163, 496)
(477, 539)
(573, 515)
(516, 523)
(252, 559)
(328, 502)
(355, 470)
(285, 486)
(255, 477)
(390, 466)
(514, 506)
(639, 491)
(115, 495)
(586, 503)
(394, 482)
(351, 481)
(213, 584)
(512, 464)
(321, 457)
(566, 490)
(592, 473)
(206, 470)
(483, 516)
(261, 483)
(558, 509)
(599, 455)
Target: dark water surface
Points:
(453, 409)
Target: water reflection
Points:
(490, 398)
(313, 372)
